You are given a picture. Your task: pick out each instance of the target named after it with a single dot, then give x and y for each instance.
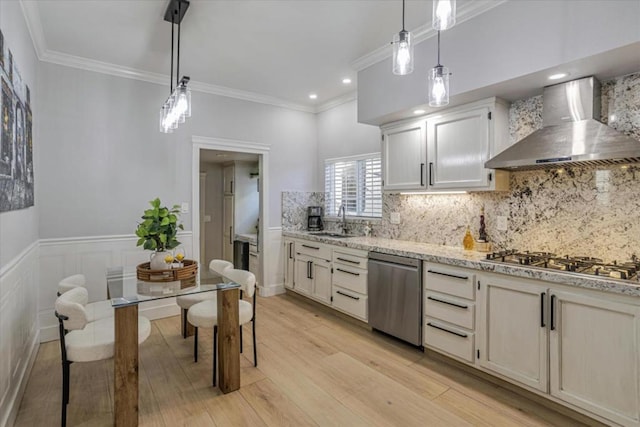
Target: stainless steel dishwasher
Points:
(395, 296)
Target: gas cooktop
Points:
(627, 270)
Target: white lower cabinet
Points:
(312, 277)
(349, 282)
(595, 357)
(289, 263)
(513, 329)
(350, 302)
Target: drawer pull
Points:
(253, 255)
(311, 247)
(347, 295)
(455, 304)
(348, 272)
(447, 330)
(348, 260)
(448, 275)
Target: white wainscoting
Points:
(274, 269)
(92, 256)
(18, 329)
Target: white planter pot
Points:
(157, 261)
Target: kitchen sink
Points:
(328, 234)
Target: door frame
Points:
(223, 144)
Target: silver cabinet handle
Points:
(447, 330)
(448, 302)
(347, 295)
(448, 275)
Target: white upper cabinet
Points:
(446, 151)
(404, 157)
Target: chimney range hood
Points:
(571, 134)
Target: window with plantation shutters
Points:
(355, 182)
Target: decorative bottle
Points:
(468, 241)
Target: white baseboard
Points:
(9, 418)
(269, 291)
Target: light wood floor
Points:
(314, 368)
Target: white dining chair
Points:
(217, 268)
(95, 310)
(205, 314)
(82, 340)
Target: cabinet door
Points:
(513, 331)
(254, 265)
(228, 174)
(228, 232)
(458, 147)
(404, 157)
(321, 276)
(303, 281)
(594, 355)
(289, 264)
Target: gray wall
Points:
(515, 39)
(105, 157)
(340, 135)
(19, 229)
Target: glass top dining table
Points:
(124, 288)
(126, 292)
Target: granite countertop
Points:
(251, 238)
(471, 259)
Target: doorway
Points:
(229, 201)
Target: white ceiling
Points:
(282, 49)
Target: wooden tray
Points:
(186, 275)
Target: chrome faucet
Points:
(343, 221)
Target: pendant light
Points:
(402, 51)
(177, 107)
(444, 14)
(438, 83)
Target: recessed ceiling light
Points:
(558, 76)
(313, 96)
(418, 111)
(346, 81)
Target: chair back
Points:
(71, 305)
(71, 282)
(218, 266)
(246, 280)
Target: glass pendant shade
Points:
(438, 86)
(402, 53)
(444, 14)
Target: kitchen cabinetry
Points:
(514, 333)
(449, 310)
(404, 157)
(349, 282)
(460, 142)
(228, 229)
(289, 262)
(312, 274)
(595, 362)
(254, 262)
(228, 178)
(447, 151)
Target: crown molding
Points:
(465, 12)
(34, 26)
(332, 103)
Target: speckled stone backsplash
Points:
(294, 208)
(591, 211)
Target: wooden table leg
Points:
(228, 340)
(125, 368)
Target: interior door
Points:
(228, 232)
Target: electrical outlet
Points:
(395, 218)
(184, 208)
(207, 218)
(501, 223)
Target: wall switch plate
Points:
(184, 208)
(207, 218)
(501, 223)
(395, 218)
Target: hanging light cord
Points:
(178, 65)
(439, 49)
(171, 73)
(403, 15)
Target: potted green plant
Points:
(157, 232)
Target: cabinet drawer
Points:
(452, 310)
(353, 258)
(313, 249)
(449, 339)
(450, 280)
(350, 278)
(350, 302)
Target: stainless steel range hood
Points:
(571, 133)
